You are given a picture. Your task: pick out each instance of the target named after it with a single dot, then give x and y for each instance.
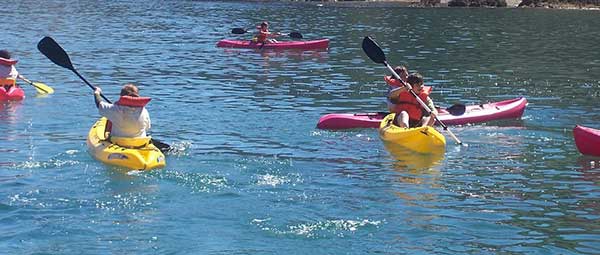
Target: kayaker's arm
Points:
(97, 96)
(431, 106)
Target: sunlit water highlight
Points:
(252, 174)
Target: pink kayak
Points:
(13, 93)
(508, 109)
(304, 45)
(587, 140)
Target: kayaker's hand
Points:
(97, 91)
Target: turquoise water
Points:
(252, 174)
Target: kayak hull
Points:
(507, 109)
(143, 158)
(304, 45)
(14, 93)
(587, 140)
(424, 140)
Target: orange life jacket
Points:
(392, 82)
(262, 36)
(133, 101)
(7, 82)
(407, 102)
(7, 61)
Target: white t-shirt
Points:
(8, 71)
(126, 121)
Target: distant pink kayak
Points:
(304, 45)
(587, 140)
(508, 109)
(13, 93)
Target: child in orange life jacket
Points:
(8, 72)
(128, 115)
(409, 112)
(393, 83)
(263, 34)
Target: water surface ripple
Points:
(254, 176)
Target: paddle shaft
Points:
(38, 87)
(429, 111)
(240, 31)
(24, 79)
(89, 84)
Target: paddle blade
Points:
(42, 88)
(54, 52)
(238, 30)
(373, 51)
(163, 147)
(296, 35)
(457, 109)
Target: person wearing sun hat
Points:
(8, 72)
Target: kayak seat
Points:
(131, 143)
(126, 142)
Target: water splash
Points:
(338, 227)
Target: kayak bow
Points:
(424, 140)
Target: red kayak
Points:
(14, 93)
(508, 109)
(304, 45)
(587, 140)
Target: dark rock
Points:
(457, 3)
(477, 3)
(430, 3)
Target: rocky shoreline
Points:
(454, 3)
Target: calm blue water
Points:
(254, 176)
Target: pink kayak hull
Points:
(13, 94)
(304, 45)
(587, 140)
(508, 109)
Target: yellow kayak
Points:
(133, 153)
(419, 139)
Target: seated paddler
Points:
(128, 116)
(8, 72)
(409, 112)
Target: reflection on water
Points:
(9, 112)
(590, 168)
(416, 173)
(412, 161)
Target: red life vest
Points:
(262, 36)
(133, 101)
(407, 102)
(7, 82)
(7, 62)
(392, 82)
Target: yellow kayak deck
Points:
(419, 139)
(145, 156)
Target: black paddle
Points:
(457, 109)
(58, 55)
(374, 52)
(239, 31)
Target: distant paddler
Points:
(9, 75)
